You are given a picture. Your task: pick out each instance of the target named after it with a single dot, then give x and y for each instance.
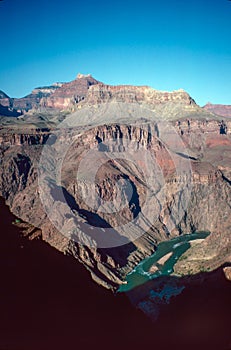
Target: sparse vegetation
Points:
(182, 257)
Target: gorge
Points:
(104, 174)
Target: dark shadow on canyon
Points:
(48, 301)
(125, 247)
(198, 318)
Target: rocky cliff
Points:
(56, 96)
(129, 168)
(70, 94)
(30, 101)
(208, 207)
(101, 93)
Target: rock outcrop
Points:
(70, 94)
(4, 99)
(101, 93)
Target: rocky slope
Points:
(222, 110)
(178, 183)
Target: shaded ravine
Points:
(48, 301)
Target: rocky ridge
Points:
(70, 94)
(219, 109)
(31, 101)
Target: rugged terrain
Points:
(189, 152)
(48, 301)
(29, 101)
(219, 109)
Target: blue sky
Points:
(164, 44)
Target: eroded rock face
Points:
(70, 94)
(127, 93)
(31, 101)
(208, 207)
(175, 180)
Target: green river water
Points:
(140, 274)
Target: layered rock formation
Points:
(219, 109)
(70, 94)
(142, 94)
(185, 179)
(30, 101)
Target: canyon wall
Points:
(202, 203)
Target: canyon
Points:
(48, 300)
(183, 186)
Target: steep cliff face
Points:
(203, 203)
(70, 94)
(56, 96)
(142, 94)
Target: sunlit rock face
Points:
(70, 94)
(30, 101)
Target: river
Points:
(172, 250)
(48, 301)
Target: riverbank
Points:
(162, 262)
(155, 267)
(195, 242)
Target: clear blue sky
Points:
(164, 44)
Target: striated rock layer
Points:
(179, 184)
(69, 94)
(208, 207)
(219, 109)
